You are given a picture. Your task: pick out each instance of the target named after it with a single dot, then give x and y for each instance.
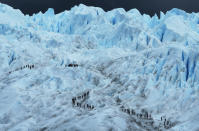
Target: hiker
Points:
(70, 65)
(132, 112)
(77, 104)
(147, 115)
(150, 118)
(87, 93)
(122, 107)
(92, 107)
(166, 123)
(84, 95)
(88, 106)
(140, 115)
(163, 118)
(128, 111)
(73, 101)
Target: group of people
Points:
(72, 65)
(143, 115)
(167, 123)
(77, 101)
(23, 67)
(85, 106)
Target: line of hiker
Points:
(78, 101)
(23, 67)
(167, 123)
(144, 115)
(72, 65)
(85, 106)
(80, 97)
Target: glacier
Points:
(125, 60)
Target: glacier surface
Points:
(124, 59)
